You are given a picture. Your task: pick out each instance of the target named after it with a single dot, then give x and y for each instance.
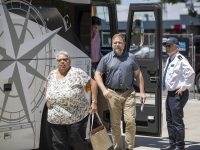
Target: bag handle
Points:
(93, 119)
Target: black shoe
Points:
(171, 147)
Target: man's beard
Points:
(118, 52)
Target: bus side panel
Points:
(30, 36)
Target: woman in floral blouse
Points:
(68, 109)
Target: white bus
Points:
(31, 32)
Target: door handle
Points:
(151, 72)
(154, 79)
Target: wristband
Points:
(94, 101)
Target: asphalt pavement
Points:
(192, 129)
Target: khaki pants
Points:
(123, 101)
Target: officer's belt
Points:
(173, 93)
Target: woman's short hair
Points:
(62, 53)
(96, 20)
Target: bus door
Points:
(107, 13)
(143, 37)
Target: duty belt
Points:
(173, 93)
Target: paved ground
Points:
(192, 125)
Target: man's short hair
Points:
(119, 35)
(96, 20)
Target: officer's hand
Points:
(179, 91)
(107, 94)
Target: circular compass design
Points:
(25, 60)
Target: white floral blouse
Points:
(68, 97)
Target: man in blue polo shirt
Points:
(120, 69)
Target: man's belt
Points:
(119, 90)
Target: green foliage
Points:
(192, 12)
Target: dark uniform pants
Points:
(174, 117)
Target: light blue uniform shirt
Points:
(179, 74)
(118, 70)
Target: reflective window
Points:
(103, 14)
(142, 36)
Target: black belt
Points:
(119, 90)
(173, 93)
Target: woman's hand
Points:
(93, 107)
(49, 104)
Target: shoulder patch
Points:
(180, 57)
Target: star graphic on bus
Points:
(16, 55)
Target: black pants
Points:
(67, 137)
(174, 117)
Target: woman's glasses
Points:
(62, 59)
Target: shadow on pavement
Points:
(161, 142)
(192, 146)
(151, 142)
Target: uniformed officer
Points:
(177, 79)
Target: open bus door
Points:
(148, 53)
(106, 11)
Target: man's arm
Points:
(99, 80)
(140, 83)
(189, 77)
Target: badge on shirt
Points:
(180, 57)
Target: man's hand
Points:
(107, 94)
(142, 97)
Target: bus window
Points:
(142, 41)
(102, 12)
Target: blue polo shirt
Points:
(118, 70)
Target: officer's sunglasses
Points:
(168, 46)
